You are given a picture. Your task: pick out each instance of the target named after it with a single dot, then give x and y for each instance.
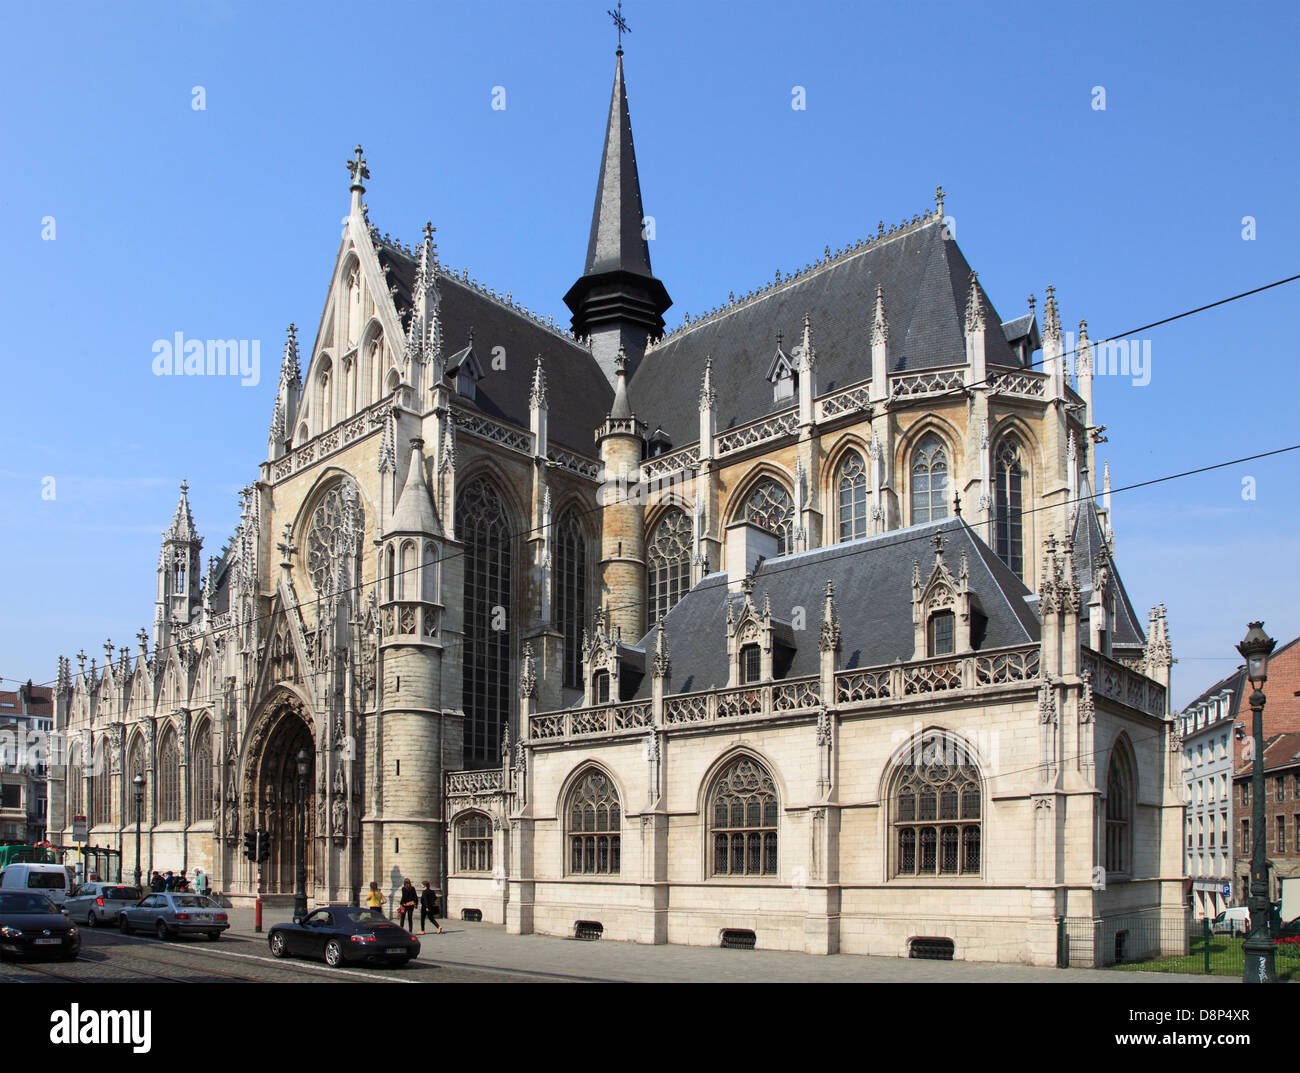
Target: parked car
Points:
(343, 933)
(52, 880)
(31, 924)
(172, 914)
(1235, 920)
(100, 903)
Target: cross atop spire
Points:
(621, 23)
(359, 172)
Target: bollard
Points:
(1205, 932)
(257, 916)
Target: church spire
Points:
(618, 302)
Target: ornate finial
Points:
(938, 201)
(620, 362)
(974, 307)
(747, 585)
(108, 651)
(537, 397)
(81, 661)
(808, 354)
(528, 675)
(662, 664)
(429, 229)
(830, 631)
(708, 397)
(287, 546)
(879, 321)
(956, 504)
(143, 638)
(621, 24)
(358, 170)
(1033, 304)
(937, 542)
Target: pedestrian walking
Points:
(169, 883)
(182, 884)
(156, 883)
(201, 882)
(375, 897)
(428, 903)
(406, 911)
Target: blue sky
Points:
(224, 223)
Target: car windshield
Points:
(120, 893)
(193, 902)
(46, 880)
(366, 916)
(26, 903)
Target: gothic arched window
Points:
(668, 559)
(770, 507)
(851, 483)
(336, 527)
(169, 778)
(935, 810)
(570, 583)
(76, 773)
(595, 819)
(101, 789)
(743, 820)
(1008, 505)
(201, 775)
(474, 843)
(134, 767)
(929, 480)
(486, 678)
(1119, 811)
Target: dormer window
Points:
(782, 374)
(941, 634)
(465, 382)
(600, 687)
(784, 387)
(750, 665)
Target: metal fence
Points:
(1150, 942)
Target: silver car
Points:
(173, 913)
(97, 903)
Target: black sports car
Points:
(32, 924)
(342, 933)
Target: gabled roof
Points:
(503, 392)
(1015, 330)
(1280, 751)
(873, 594)
(1088, 544)
(926, 281)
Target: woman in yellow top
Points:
(375, 897)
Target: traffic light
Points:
(263, 844)
(250, 845)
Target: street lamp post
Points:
(300, 895)
(1258, 948)
(138, 781)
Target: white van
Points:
(52, 880)
(1234, 920)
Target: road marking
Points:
(285, 964)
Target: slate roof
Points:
(1017, 329)
(580, 393)
(873, 596)
(1280, 751)
(1088, 544)
(925, 279)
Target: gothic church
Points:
(799, 622)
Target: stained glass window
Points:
(570, 580)
(743, 820)
(595, 819)
(1009, 506)
(668, 559)
(935, 811)
(770, 507)
(851, 481)
(929, 480)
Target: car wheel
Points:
(333, 954)
(90, 919)
(400, 963)
(123, 925)
(66, 956)
(214, 935)
(161, 931)
(279, 948)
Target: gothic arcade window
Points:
(851, 482)
(669, 563)
(940, 634)
(751, 662)
(935, 810)
(75, 783)
(201, 775)
(770, 507)
(743, 820)
(1008, 505)
(595, 819)
(335, 530)
(134, 767)
(571, 592)
(101, 791)
(481, 523)
(600, 687)
(1119, 812)
(169, 779)
(474, 843)
(929, 480)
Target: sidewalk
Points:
(488, 946)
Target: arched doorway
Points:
(286, 731)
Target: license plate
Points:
(395, 950)
(48, 942)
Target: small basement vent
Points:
(473, 915)
(737, 939)
(930, 949)
(588, 929)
